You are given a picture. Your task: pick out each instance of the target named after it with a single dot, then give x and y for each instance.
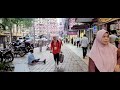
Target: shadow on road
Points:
(59, 70)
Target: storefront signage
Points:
(106, 20)
(95, 29)
(72, 33)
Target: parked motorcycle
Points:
(6, 55)
(6, 58)
(18, 50)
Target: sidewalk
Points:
(20, 63)
(77, 51)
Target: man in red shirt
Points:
(56, 48)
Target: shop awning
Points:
(107, 20)
(84, 20)
(78, 27)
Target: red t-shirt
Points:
(55, 47)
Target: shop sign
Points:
(72, 33)
(95, 29)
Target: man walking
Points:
(78, 41)
(84, 45)
(40, 44)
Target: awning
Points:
(82, 20)
(106, 20)
(78, 27)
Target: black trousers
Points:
(56, 58)
(78, 42)
(84, 51)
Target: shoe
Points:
(44, 61)
(57, 66)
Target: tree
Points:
(8, 22)
(27, 22)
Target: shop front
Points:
(110, 24)
(4, 37)
(72, 34)
(81, 29)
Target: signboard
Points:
(72, 33)
(95, 29)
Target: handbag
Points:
(61, 57)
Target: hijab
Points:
(104, 56)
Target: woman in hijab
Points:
(103, 57)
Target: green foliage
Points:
(1, 66)
(27, 22)
(7, 22)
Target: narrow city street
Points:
(18, 36)
(72, 62)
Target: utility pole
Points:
(34, 32)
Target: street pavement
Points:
(78, 51)
(72, 61)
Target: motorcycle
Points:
(18, 50)
(6, 55)
(6, 58)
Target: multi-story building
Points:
(17, 31)
(48, 26)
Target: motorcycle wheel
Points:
(22, 53)
(9, 57)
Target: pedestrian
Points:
(84, 45)
(56, 48)
(103, 56)
(112, 37)
(32, 60)
(41, 42)
(78, 41)
(116, 42)
(72, 40)
(66, 40)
